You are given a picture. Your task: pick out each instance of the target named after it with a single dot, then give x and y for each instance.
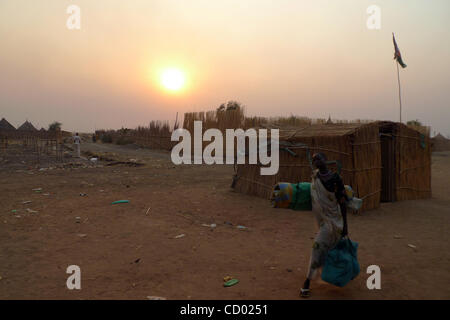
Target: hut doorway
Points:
(387, 141)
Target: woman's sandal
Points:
(304, 293)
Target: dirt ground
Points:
(130, 251)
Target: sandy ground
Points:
(129, 251)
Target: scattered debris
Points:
(83, 194)
(77, 219)
(120, 201)
(241, 227)
(397, 237)
(37, 189)
(228, 223)
(31, 211)
(227, 278)
(213, 225)
(46, 194)
(128, 163)
(137, 260)
(155, 298)
(412, 246)
(147, 211)
(26, 202)
(231, 282)
(180, 236)
(14, 211)
(82, 235)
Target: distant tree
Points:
(233, 105)
(124, 131)
(54, 126)
(415, 123)
(230, 105)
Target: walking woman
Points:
(77, 142)
(328, 204)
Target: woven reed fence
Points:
(157, 135)
(221, 120)
(39, 142)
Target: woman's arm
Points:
(344, 217)
(342, 199)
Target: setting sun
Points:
(173, 79)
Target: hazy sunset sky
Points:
(308, 58)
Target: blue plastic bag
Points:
(341, 264)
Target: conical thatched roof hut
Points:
(27, 126)
(5, 125)
(440, 143)
(439, 136)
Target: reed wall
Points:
(413, 164)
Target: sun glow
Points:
(173, 79)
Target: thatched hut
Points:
(382, 161)
(6, 126)
(440, 143)
(27, 126)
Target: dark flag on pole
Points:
(397, 55)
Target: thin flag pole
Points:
(399, 91)
(399, 60)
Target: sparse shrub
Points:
(54, 126)
(124, 140)
(414, 123)
(106, 138)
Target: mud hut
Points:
(6, 126)
(382, 161)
